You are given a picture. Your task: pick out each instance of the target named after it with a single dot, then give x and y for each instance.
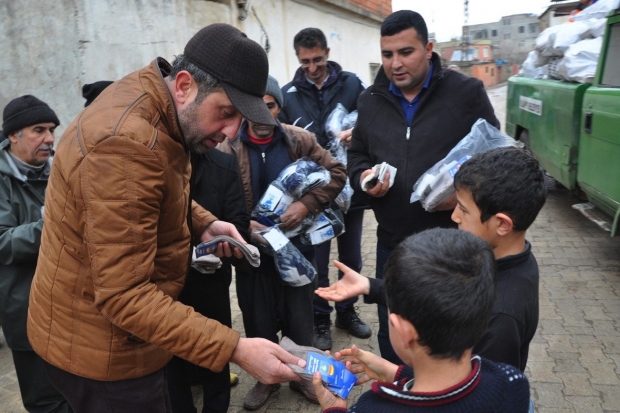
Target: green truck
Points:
(573, 129)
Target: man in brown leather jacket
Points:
(119, 226)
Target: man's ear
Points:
(13, 137)
(405, 331)
(504, 224)
(185, 89)
(429, 50)
(327, 54)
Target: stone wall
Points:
(51, 52)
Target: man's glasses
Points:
(317, 61)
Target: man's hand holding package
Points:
(294, 214)
(223, 248)
(345, 137)
(266, 361)
(380, 188)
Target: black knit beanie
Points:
(90, 91)
(25, 111)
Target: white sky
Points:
(445, 17)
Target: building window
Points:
(521, 29)
(522, 44)
(533, 27)
(506, 36)
(494, 33)
(486, 69)
(485, 52)
(374, 69)
(492, 72)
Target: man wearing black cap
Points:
(25, 162)
(119, 228)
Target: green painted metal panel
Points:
(550, 112)
(599, 148)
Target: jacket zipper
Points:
(263, 155)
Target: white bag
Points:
(529, 68)
(598, 10)
(580, 61)
(569, 34)
(544, 42)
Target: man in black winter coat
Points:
(411, 117)
(318, 87)
(217, 188)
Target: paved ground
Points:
(574, 363)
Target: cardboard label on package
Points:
(338, 379)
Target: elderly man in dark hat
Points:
(120, 224)
(25, 163)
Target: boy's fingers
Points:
(341, 266)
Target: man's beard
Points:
(194, 136)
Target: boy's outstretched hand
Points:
(350, 285)
(326, 398)
(360, 361)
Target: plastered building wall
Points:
(51, 48)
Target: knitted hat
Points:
(273, 89)
(239, 63)
(92, 90)
(25, 111)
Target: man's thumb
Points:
(288, 358)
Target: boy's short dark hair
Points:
(403, 20)
(309, 38)
(508, 180)
(443, 282)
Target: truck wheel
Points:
(524, 137)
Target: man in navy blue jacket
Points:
(318, 87)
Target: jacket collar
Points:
(153, 81)
(300, 80)
(515, 260)
(279, 133)
(7, 165)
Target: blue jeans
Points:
(385, 347)
(349, 253)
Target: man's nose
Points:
(49, 137)
(231, 128)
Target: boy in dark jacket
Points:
(499, 193)
(440, 292)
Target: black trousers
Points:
(148, 394)
(209, 295)
(269, 306)
(38, 393)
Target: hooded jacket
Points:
(21, 223)
(452, 104)
(116, 243)
(298, 143)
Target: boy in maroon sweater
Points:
(440, 291)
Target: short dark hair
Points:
(207, 84)
(508, 180)
(443, 282)
(309, 38)
(403, 20)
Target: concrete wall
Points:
(508, 42)
(51, 52)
